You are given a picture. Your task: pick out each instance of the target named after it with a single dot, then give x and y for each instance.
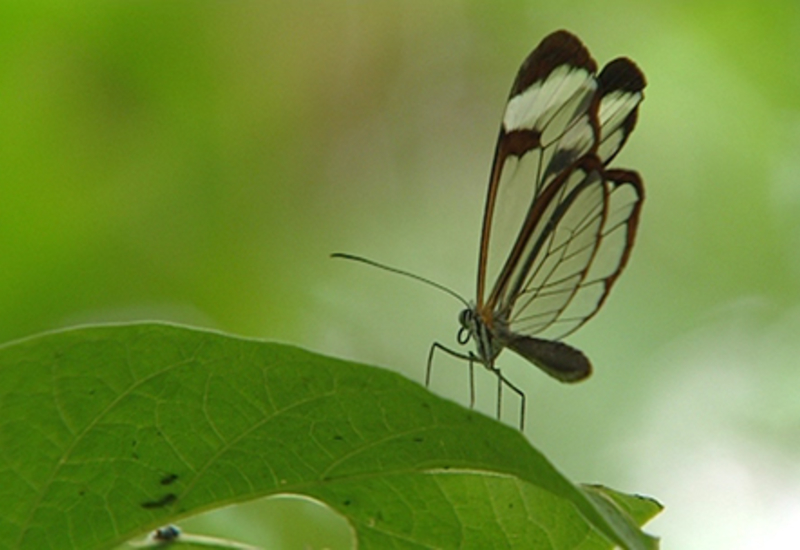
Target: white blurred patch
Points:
(722, 447)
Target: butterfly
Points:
(559, 223)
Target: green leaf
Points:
(639, 508)
(107, 432)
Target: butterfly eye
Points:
(467, 321)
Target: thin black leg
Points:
(471, 381)
(471, 358)
(437, 345)
(503, 380)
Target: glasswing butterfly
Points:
(559, 224)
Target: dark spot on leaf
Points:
(169, 479)
(166, 534)
(418, 440)
(338, 437)
(346, 503)
(166, 500)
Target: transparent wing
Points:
(621, 84)
(573, 253)
(550, 121)
(573, 221)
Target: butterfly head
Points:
(473, 327)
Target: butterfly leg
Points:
(472, 380)
(471, 358)
(499, 393)
(430, 364)
(501, 380)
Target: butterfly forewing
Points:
(549, 122)
(556, 243)
(571, 221)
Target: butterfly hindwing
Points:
(576, 254)
(621, 84)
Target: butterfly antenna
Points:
(401, 272)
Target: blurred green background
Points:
(198, 161)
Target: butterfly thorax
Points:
(473, 327)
